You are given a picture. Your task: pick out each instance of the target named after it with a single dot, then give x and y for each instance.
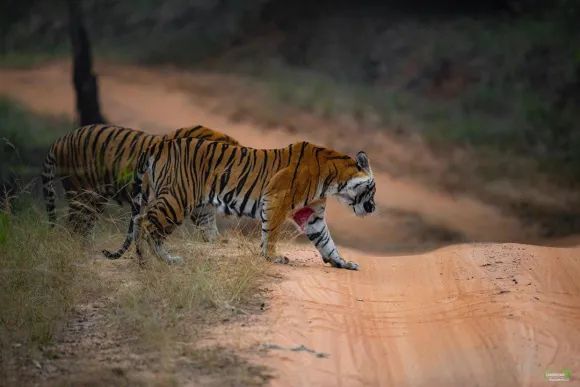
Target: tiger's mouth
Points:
(363, 209)
(369, 207)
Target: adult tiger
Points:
(96, 163)
(274, 185)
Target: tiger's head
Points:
(358, 189)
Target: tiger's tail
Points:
(136, 203)
(48, 191)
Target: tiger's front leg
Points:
(311, 220)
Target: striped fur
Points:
(175, 177)
(96, 163)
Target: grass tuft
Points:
(211, 285)
(159, 312)
(169, 310)
(42, 276)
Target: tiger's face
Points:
(359, 190)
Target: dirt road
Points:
(470, 314)
(485, 314)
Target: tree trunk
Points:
(85, 82)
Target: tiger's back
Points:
(96, 163)
(270, 184)
(201, 133)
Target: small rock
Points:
(118, 371)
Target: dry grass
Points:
(42, 277)
(169, 310)
(157, 316)
(213, 283)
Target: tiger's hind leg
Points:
(204, 218)
(285, 191)
(160, 219)
(273, 215)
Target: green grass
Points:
(25, 138)
(25, 129)
(507, 85)
(328, 98)
(31, 58)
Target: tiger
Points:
(173, 178)
(96, 163)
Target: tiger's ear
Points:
(362, 161)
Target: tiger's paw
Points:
(342, 264)
(350, 265)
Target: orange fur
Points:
(271, 185)
(96, 162)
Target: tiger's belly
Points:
(239, 207)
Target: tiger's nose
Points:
(369, 207)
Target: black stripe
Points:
(315, 220)
(313, 236)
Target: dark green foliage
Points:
(503, 75)
(24, 142)
(151, 31)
